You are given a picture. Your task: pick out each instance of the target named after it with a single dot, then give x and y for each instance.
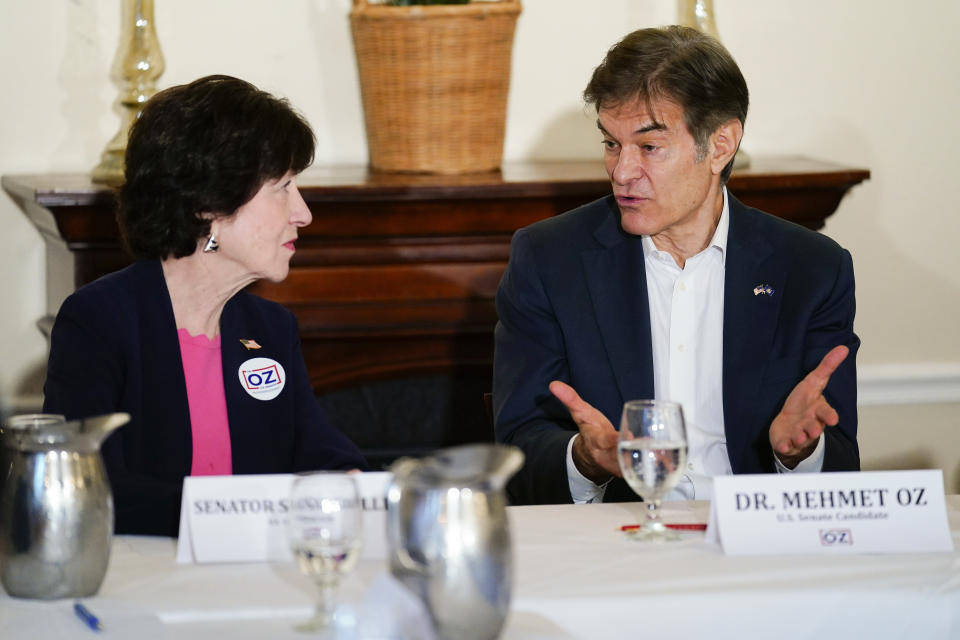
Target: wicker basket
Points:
(434, 81)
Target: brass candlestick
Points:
(699, 15)
(136, 69)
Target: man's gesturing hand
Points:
(806, 413)
(595, 451)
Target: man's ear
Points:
(724, 143)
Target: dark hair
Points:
(679, 64)
(207, 146)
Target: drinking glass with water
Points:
(652, 452)
(325, 535)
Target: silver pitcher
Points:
(449, 538)
(56, 508)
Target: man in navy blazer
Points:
(579, 309)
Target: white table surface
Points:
(577, 576)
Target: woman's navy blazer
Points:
(114, 347)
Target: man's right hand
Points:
(595, 451)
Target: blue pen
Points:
(88, 618)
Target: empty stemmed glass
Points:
(652, 451)
(325, 535)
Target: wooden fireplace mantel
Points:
(396, 275)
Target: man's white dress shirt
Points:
(686, 326)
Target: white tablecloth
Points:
(577, 576)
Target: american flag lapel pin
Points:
(249, 344)
(763, 289)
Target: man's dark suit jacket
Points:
(573, 306)
(115, 348)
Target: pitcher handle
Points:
(406, 561)
(401, 469)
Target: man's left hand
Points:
(806, 413)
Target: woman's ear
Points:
(208, 243)
(209, 218)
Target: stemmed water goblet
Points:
(652, 451)
(325, 527)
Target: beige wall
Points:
(911, 436)
(856, 82)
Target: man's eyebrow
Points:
(653, 126)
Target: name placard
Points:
(243, 518)
(867, 512)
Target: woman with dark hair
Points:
(212, 376)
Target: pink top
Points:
(203, 372)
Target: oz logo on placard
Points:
(262, 378)
(836, 537)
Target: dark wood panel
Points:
(422, 282)
(362, 358)
(472, 248)
(404, 318)
(428, 218)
